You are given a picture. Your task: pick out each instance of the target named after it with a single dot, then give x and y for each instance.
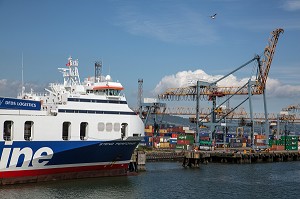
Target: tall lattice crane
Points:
(263, 63)
(211, 91)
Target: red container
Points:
(149, 134)
(204, 138)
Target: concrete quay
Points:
(195, 158)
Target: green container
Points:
(289, 137)
(272, 142)
(180, 146)
(280, 142)
(185, 137)
(291, 147)
(205, 142)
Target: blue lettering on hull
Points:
(19, 104)
(40, 154)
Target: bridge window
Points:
(83, 130)
(28, 130)
(112, 92)
(66, 130)
(7, 130)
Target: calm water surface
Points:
(171, 180)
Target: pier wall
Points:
(195, 158)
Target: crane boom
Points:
(264, 64)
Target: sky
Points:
(167, 43)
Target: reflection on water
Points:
(171, 180)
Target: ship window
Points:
(66, 130)
(101, 126)
(108, 127)
(124, 130)
(7, 130)
(28, 130)
(112, 92)
(117, 127)
(83, 130)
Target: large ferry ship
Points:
(74, 130)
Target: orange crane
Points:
(264, 65)
(211, 91)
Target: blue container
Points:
(173, 141)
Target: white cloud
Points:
(291, 5)
(277, 89)
(181, 79)
(9, 88)
(181, 26)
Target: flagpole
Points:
(22, 92)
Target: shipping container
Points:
(185, 128)
(205, 148)
(290, 137)
(204, 138)
(235, 145)
(173, 140)
(148, 130)
(185, 142)
(259, 136)
(180, 146)
(149, 134)
(295, 147)
(185, 137)
(260, 141)
(204, 142)
(189, 131)
(164, 145)
(163, 131)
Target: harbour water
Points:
(171, 180)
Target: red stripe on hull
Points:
(39, 175)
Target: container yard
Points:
(226, 132)
(182, 138)
(180, 144)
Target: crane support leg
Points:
(213, 118)
(251, 113)
(267, 126)
(197, 113)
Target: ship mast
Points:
(23, 88)
(98, 71)
(71, 74)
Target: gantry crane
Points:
(211, 91)
(264, 64)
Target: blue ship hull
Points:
(35, 161)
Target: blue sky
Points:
(164, 42)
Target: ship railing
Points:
(31, 95)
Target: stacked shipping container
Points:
(185, 141)
(184, 138)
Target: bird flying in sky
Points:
(213, 16)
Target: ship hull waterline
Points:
(38, 161)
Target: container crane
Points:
(211, 91)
